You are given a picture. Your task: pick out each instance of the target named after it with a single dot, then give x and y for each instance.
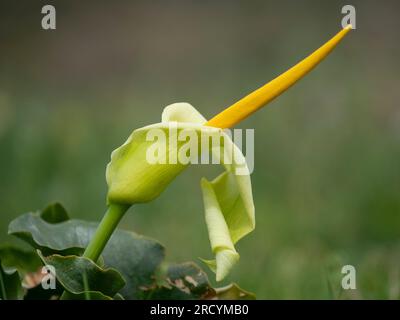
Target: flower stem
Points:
(104, 231)
(106, 228)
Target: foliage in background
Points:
(131, 266)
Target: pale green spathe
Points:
(228, 200)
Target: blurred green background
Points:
(327, 153)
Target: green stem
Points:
(104, 231)
(106, 228)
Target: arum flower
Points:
(228, 200)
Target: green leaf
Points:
(180, 282)
(137, 258)
(54, 213)
(24, 261)
(10, 285)
(79, 275)
(233, 292)
(67, 237)
(91, 296)
(118, 296)
(96, 296)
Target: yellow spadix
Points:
(259, 98)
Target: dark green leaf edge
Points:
(89, 266)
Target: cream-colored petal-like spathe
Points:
(228, 201)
